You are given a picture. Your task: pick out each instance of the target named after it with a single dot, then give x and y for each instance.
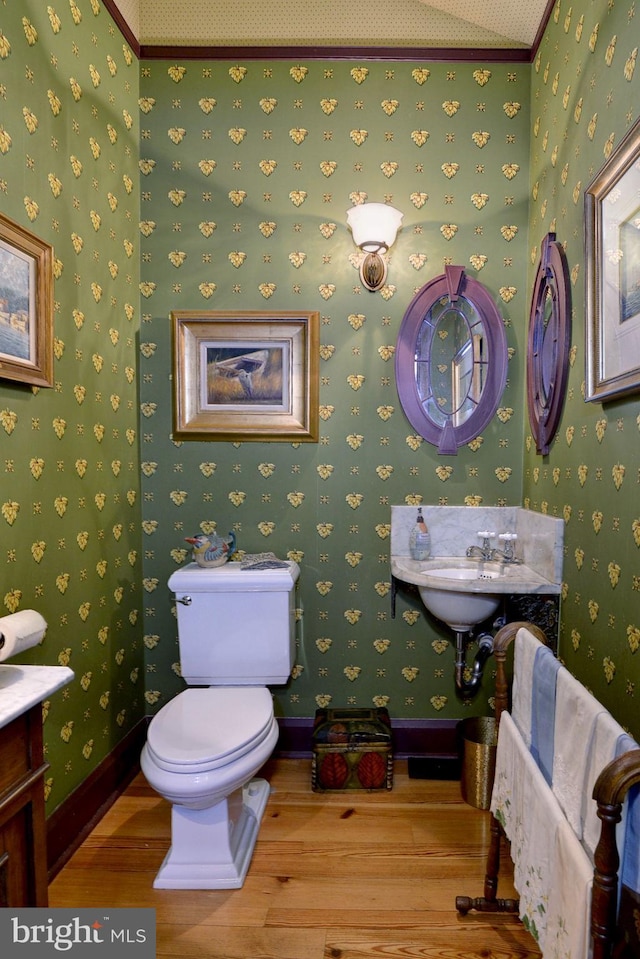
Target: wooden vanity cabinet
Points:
(23, 844)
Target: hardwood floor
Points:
(334, 876)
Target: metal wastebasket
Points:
(479, 740)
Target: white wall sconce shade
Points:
(374, 227)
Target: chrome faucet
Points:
(486, 551)
(508, 553)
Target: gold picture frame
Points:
(612, 247)
(249, 375)
(26, 306)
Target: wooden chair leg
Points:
(604, 898)
(489, 902)
(493, 861)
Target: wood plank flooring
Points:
(334, 876)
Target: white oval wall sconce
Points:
(374, 227)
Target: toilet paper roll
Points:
(20, 631)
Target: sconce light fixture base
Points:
(374, 227)
(373, 271)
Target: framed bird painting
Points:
(245, 376)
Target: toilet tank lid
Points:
(232, 578)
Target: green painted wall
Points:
(326, 503)
(584, 99)
(69, 464)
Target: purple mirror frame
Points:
(548, 370)
(454, 284)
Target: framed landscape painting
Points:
(26, 306)
(612, 232)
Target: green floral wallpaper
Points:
(69, 464)
(584, 99)
(200, 185)
(248, 169)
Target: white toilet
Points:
(236, 631)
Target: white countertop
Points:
(514, 578)
(22, 687)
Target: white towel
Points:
(526, 647)
(568, 933)
(576, 711)
(505, 774)
(529, 813)
(607, 734)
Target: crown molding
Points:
(285, 52)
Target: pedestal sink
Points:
(460, 596)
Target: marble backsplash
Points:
(454, 528)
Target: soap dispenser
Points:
(420, 539)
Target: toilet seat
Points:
(205, 728)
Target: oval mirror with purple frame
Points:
(548, 343)
(451, 360)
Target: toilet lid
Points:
(208, 727)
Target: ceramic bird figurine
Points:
(211, 550)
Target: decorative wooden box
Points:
(352, 749)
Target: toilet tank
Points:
(236, 627)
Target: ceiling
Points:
(447, 24)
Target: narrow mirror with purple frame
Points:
(548, 343)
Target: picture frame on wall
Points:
(245, 376)
(26, 306)
(612, 248)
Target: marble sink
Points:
(472, 575)
(464, 592)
